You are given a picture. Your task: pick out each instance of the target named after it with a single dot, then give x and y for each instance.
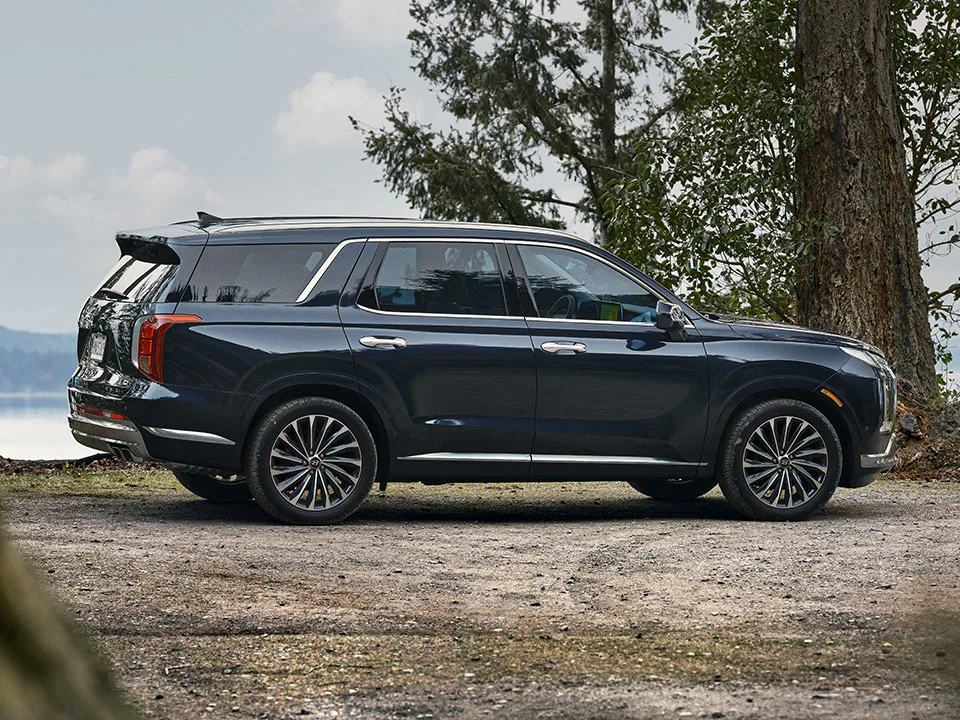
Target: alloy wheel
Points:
(315, 462)
(785, 462)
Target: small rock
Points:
(941, 653)
(909, 425)
(159, 697)
(876, 700)
(717, 715)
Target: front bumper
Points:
(120, 438)
(878, 462)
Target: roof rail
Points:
(205, 219)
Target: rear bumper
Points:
(120, 438)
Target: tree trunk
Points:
(862, 276)
(45, 671)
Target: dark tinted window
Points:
(136, 280)
(447, 278)
(254, 273)
(569, 284)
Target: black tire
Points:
(732, 465)
(326, 479)
(215, 489)
(674, 490)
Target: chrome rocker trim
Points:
(537, 458)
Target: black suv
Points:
(300, 360)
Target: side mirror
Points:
(671, 318)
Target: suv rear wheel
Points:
(217, 489)
(311, 461)
(674, 490)
(780, 460)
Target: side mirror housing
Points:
(671, 319)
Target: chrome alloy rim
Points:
(316, 462)
(785, 462)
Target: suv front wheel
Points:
(779, 460)
(311, 461)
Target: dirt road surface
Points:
(519, 601)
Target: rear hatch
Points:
(148, 279)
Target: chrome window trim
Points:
(504, 241)
(609, 264)
(484, 241)
(305, 293)
(189, 435)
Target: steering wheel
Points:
(563, 307)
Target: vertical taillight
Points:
(150, 333)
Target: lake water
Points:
(35, 427)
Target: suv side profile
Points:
(300, 360)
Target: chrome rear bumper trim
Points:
(189, 435)
(107, 436)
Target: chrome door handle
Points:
(378, 342)
(557, 347)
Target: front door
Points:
(616, 398)
(436, 346)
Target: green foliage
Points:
(712, 200)
(711, 204)
(527, 93)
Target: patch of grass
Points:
(85, 482)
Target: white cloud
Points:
(60, 216)
(318, 117)
(368, 22)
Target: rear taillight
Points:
(149, 350)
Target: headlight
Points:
(866, 357)
(886, 386)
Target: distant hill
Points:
(36, 362)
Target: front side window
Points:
(254, 273)
(440, 278)
(571, 285)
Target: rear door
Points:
(441, 347)
(616, 398)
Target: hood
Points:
(770, 330)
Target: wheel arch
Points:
(810, 395)
(349, 397)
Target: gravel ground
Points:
(521, 601)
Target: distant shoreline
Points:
(46, 395)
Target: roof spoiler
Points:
(151, 249)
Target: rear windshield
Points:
(136, 281)
(254, 273)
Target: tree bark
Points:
(45, 670)
(862, 275)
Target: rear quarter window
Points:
(136, 280)
(254, 273)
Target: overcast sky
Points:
(123, 114)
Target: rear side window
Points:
(254, 273)
(445, 278)
(136, 280)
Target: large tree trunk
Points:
(862, 277)
(45, 670)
